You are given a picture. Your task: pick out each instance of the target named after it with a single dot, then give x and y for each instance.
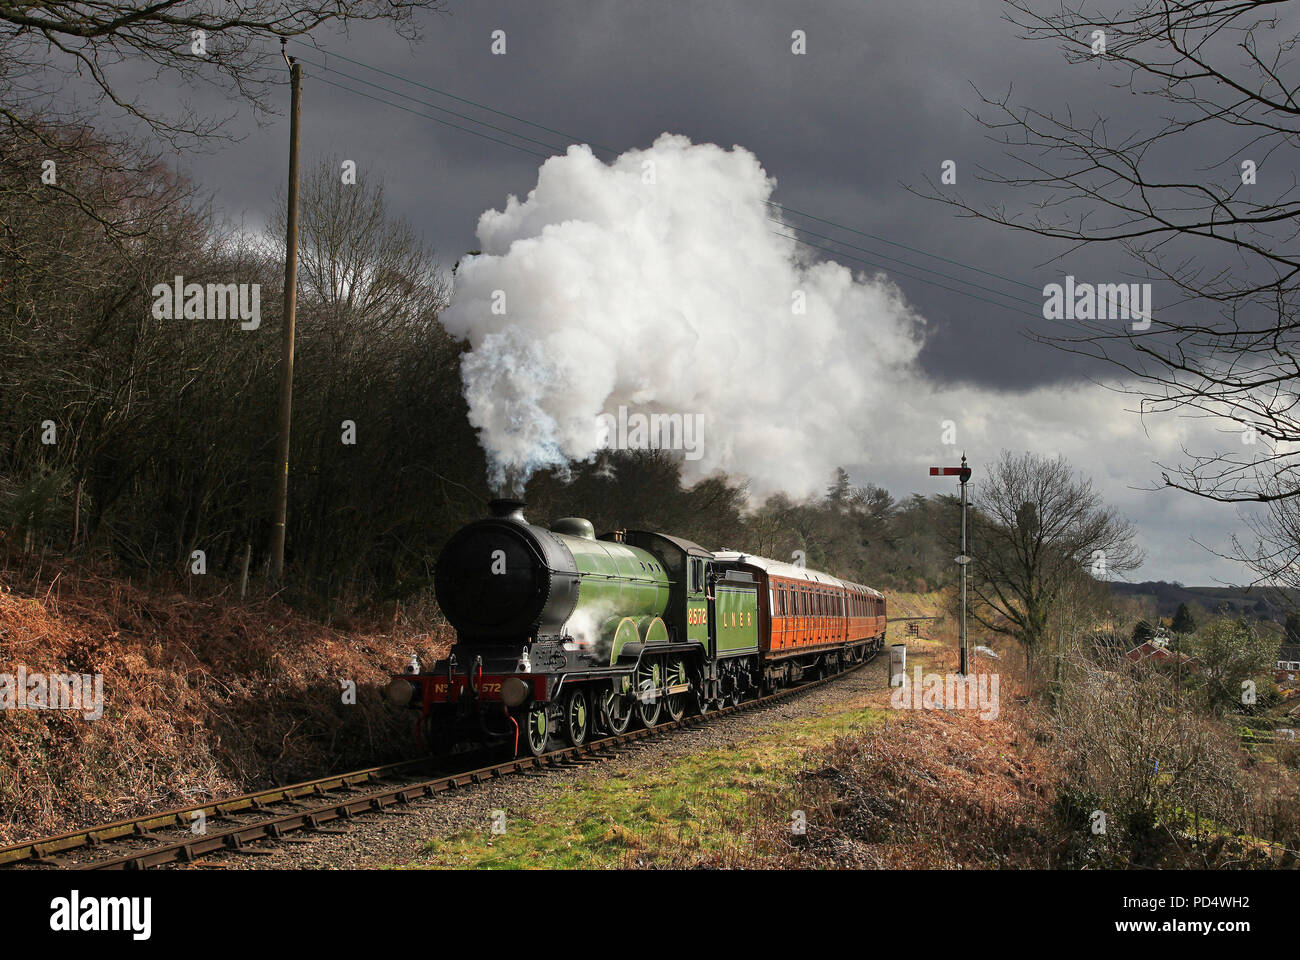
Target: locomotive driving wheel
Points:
(675, 703)
(615, 715)
(577, 719)
(649, 680)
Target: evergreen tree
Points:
(837, 494)
(1183, 621)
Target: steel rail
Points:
(235, 838)
(46, 848)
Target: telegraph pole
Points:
(963, 474)
(290, 305)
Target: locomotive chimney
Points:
(506, 509)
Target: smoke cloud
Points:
(657, 282)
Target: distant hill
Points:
(1263, 603)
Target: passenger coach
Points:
(810, 621)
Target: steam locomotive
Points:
(562, 635)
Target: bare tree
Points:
(1144, 773)
(1203, 197)
(44, 46)
(1037, 529)
(371, 292)
(48, 51)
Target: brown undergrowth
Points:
(204, 696)
(926, 789)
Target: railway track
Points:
(237, 824)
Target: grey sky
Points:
(880, 99)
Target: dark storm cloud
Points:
(880, 99)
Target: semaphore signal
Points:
(963, 473)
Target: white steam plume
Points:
(657, 282)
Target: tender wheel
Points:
(537, 729)
(699, 699)
(577, 719)
(615, 715)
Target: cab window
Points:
(697, 575)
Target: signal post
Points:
(963, 473)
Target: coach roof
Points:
(779, 568)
